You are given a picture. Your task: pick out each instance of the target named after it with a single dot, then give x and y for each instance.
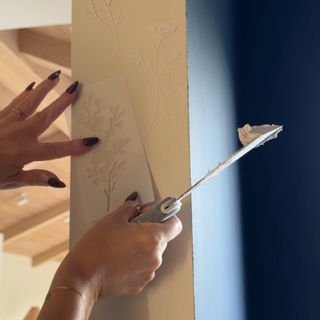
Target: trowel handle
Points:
(161, 212)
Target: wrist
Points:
(68, 275)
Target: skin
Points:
(19, 137)
(97, 267)
(115, 257)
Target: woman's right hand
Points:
(116, 257)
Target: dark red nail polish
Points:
(56, 183)
(89, 142)
(133, 196)
(30, 86)
(54, 75)
(72, 88)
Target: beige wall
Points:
(144, 43)
(22, 286)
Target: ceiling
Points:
(17, 14)
(35, 220)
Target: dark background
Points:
(277, 80)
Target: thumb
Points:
(124, 213)
(37, 177)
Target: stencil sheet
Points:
(117, 166)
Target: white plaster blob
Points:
(248, 134)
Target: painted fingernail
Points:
(133, 196)
(72, 88)
(30, 86)
(56, 183)
(89, 142)
(54, 75)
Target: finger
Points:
(29, 105)
(147, 208)
(36, 177)
(55, 150)
(133, 196)
(43, 119)
(127, 211)
(163, 248)
(169, 229)
(124, 213)
(16, 101)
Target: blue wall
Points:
(260, 59)
(278, 81)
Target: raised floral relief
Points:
(104, 12)
(160, 67)
(107, 122)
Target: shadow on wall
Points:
(216, 230)
(278, 81)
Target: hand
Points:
(19, 132)
(116, 257)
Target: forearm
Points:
(69, 297)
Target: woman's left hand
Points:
(20, 128)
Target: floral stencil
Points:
(109, 159)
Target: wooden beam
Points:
(35, 222)
(54, 137)
(46, 67)
(45, 47)
(32, 314)
(50, 254)
(60, 32)
(6, 96)
(16, 73)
